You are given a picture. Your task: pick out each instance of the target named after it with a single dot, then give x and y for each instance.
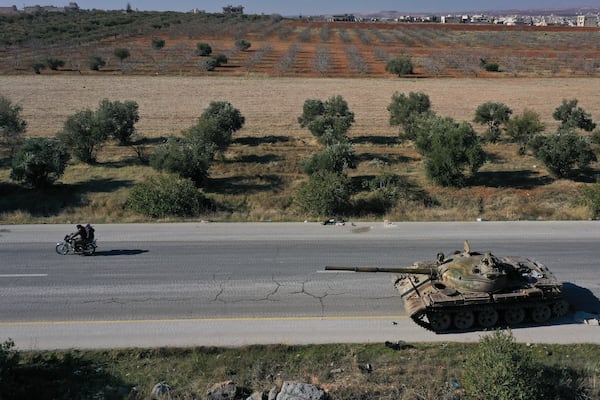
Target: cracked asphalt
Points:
(232, 284)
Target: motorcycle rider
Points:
(83, 237)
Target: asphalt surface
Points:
(233, 284)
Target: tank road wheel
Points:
(541, 313)
(464, 320)
(560, 308)
(514, 316)
(487, 317)
(439, 321)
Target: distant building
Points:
(342, 18)
(233, 10)
(9, 10)
(46, 9)
(587, 20)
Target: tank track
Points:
(420, 317)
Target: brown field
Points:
(260, 173)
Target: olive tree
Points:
(400, 66)
(563, 152)
(121, 53)
(522, 128)
(217, 123)
(452, 150)
(12, 124)
(571, 116)
(39, 162)
(494, 115)
(326, 120)
(407, 110)
(118, 119)
(83, 133)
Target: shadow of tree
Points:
(255, 159)
(257, 141)
(386, 158)
(55, 198)
(244, 184)
(67, 375)
(522, 179)
(375, 139)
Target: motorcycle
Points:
(68, 246)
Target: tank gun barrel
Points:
(394, 270)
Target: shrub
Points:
(38, 67)
(217, 123)
(54, 63)
(324, 194)
(96, 62)
(121, 53)
(500, 369)
(242, 44)
(522, 128)
(400, 66)
(591, 195)
(337, 157)
(165, 196)
(190, 158)
(158, 43)
(9, 359)
(39, 162)
(203, 49)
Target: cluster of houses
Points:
(588, 20)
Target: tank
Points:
(470, 290)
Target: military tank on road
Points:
(472, 290)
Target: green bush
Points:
(121, 53)
(494, 115)
(217, 124)
(38, 67)
(571, 116)
(9, 359)
(242, 44)
(158, 43)
(54, 63)
(96, 62)
(203, 49)
(400, 66)
(500, 369)
(83, 133)
(591, 195)
(406, 111)
(324, 194)
(190, 158)
(166, 196)
(337, 157)
(39, 162)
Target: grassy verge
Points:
(418, 371)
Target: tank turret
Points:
(470, 289)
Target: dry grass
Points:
(260, 173)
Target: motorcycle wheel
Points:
(62, 248)
(89, 250)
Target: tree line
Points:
(452, 151)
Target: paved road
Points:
(232, 284)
